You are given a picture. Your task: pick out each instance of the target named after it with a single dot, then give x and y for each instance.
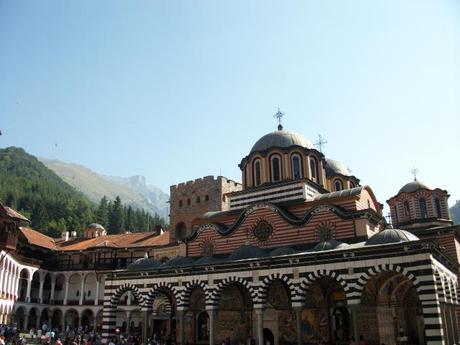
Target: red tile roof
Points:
(13, 214)
(38, 239)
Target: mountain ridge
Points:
(133, 190)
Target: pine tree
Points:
(129, 221)
(116, 220)
(40, 216)
(103, 212)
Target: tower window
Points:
(437, 204)
(198, 199)
(314, 168)
(407, 209)
(180, 203)
(338, 185)
(188, 202)
(276, 168)
(206, 198)
(296, 167)
(423, 209)
(256, 172)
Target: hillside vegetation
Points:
(53, 206)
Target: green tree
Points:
(129, 219)
(116, 220)
(103, 212)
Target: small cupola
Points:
(418, 206)
(94, 230)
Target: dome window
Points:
(296, 167)
(423, 209)
(256, 173)
(437, 204)
(314, 169)
(352, 184)
(338, 185)
(276, 168)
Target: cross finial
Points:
(414, 172)
(279, 116)
(320, 143)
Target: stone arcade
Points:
(298, 253)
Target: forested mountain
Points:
(53, 206)
(455, 212)
(132, 190)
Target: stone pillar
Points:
(128, 320)
(128, 302)
(260, 325)
(212, 314)
(96, 297)
(298, 319)
(354, 321)
(26, 321)
(180, 326)
(40, 290)
(145, 326)
(53, 287)
(82, 290)
(16, 285)
(66, 290)
(29, 287)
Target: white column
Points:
(29, 286)
(53, 287)
(2, 279)
(82, 289)
(40, 290)
(16, 285)
(211, 314)
(96, 297)
(66, 290)
(128, 302)
(260, 326)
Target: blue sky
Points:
(176, 90)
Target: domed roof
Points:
(329, 245)
(391, 236)
(247, 252)
(283, 251)
(143, 264)
(281, 138)
(96, 226)
(412, 187)
(336, 167)
(179, 261)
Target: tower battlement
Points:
(191, 199)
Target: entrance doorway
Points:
(269, 339)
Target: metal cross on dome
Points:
(320, 143)
(279, 116)
(414, 171)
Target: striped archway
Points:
(184, 299)
(217, 292)
(261, 298)
(311, 277)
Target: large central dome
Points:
(282, 139)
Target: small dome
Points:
(391, 236)
(283, 251)
(329, 245)
(413, 186)
(95, 226)
(281, 138)
(207, 260)
(179, 261)
(143, 264)
(335, 167)
(247, 252)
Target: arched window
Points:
(314, 169)
(181, 231)
(407, 209)
(296, 167)
(423, 210)
(276, 168)
(256, 173)
(437, 204)
(352, 184)
(338, 185)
